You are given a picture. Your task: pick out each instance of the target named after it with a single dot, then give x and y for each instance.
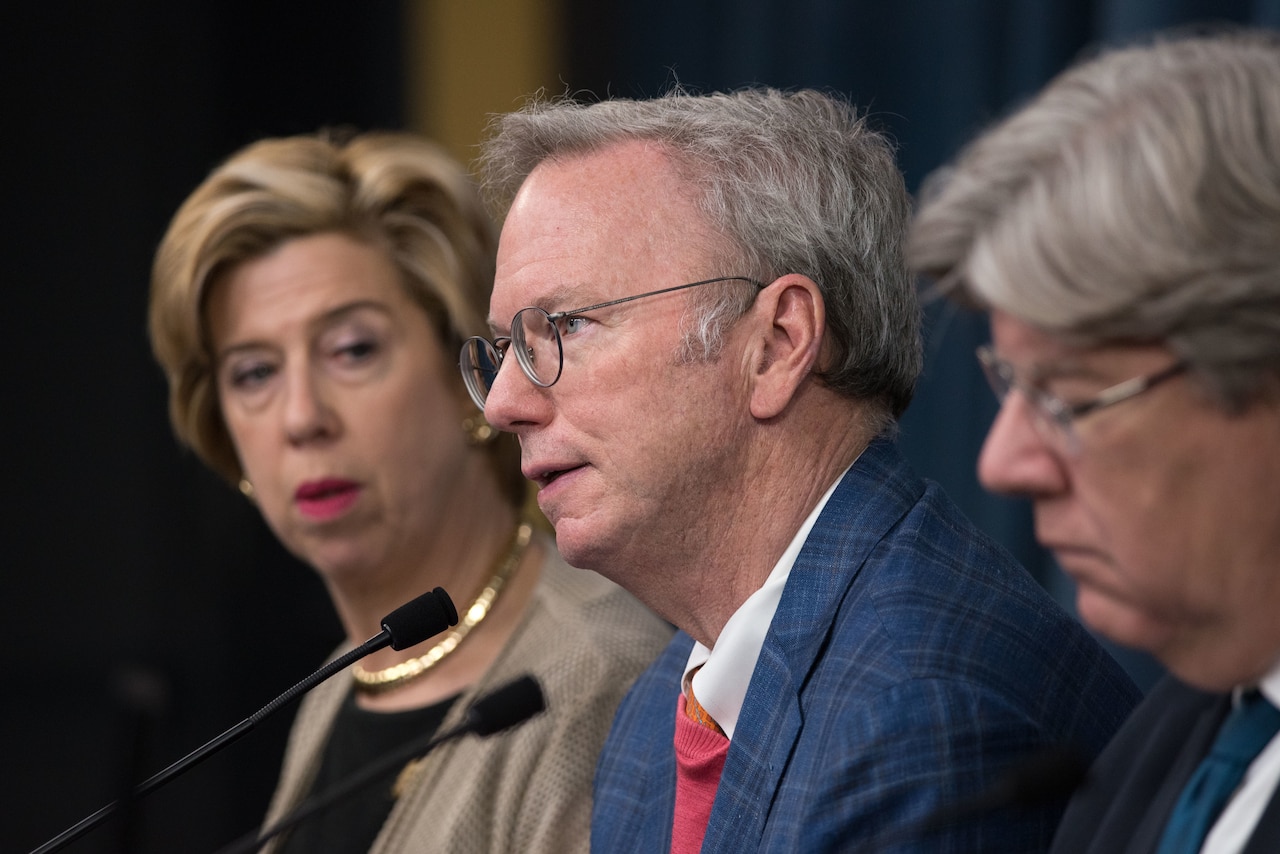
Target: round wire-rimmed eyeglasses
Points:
(1053, 417)
(536, 339)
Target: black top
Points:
(359, 737)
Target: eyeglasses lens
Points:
(998, 376)
(537, 346)
(1048, 423)
(479, 368)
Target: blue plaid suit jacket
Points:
(911, 661)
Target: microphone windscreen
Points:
(421, 618)
(1050, 775)
(507, 706)
(1053, 773)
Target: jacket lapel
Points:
(1199, 739)
(876, 492)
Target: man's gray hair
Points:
(1136, 199)
(797, 182)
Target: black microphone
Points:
(502, 708)
(142, 697)
(1049, 775)
(406, 626)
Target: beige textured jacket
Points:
(528, 789)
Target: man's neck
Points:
(745, 538)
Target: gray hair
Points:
(1136, 199)
(796, 182)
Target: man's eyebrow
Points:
(564, 297)
(1068, 367)
(559, 298)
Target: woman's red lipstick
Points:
(326, 499)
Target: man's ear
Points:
(793, 321)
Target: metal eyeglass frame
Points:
(1056, 413)
(481, 359)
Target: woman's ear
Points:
(794, 323)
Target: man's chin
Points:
(576, 542)
(1121, 622)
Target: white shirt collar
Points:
(1269, 685)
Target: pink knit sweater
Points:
(700, 753)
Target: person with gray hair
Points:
(1123, 232)
(714, 334)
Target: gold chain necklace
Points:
(378, 681)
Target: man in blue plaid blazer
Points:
(714, 331)
(909, 663)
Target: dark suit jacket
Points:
(909, 663)
(1135, 783)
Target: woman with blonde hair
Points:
(306, 304)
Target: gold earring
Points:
(246, 488)
(479, 432)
